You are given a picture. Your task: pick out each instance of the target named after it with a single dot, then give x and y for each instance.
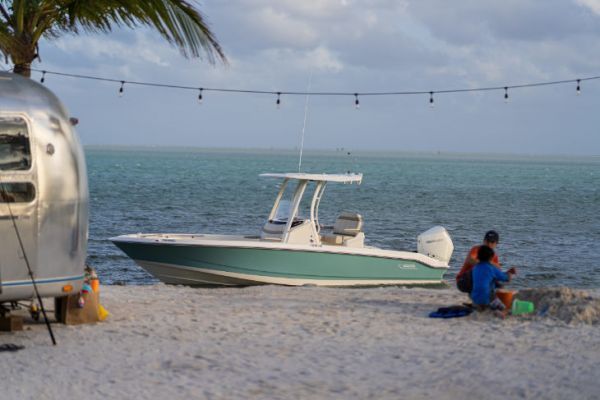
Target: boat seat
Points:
(348, 224)
(300, 231)
(347, 231)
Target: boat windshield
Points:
(285, 204)
(283, 210)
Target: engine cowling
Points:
(436, 243)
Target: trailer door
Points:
(18, 205)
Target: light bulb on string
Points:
(43, 76)
(356, 102)
(431, 103)
(506, 94)
(578, 87)
(278, 102)
(200, 98)
(121, 89)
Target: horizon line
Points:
(335, 150)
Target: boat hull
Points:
(219, 265)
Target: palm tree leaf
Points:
(177, 21)
(24, 22)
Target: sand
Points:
(168, 342)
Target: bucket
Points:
(506, 296)
(520, 307)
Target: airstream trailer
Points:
(43, 192)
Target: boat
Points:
(293, 248)
(43, 194)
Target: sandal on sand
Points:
(451, 312)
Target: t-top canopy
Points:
(345, 178)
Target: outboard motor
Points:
(436, 243)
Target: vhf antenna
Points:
(305, 118)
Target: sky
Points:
(349, 46)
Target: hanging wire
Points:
(578, 87)
(431, 103)
(505, 94)
(43, 76)
(278, 102)
(356, 102)
(300, 93)
(200, 97)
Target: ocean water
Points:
(547, 210)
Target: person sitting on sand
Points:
(491, 239)
(485, 275)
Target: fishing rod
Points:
(35, 288)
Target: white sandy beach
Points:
(288, 343)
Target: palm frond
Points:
(24, 22)
(177, 21)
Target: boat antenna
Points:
(305, 118)
(4, 195)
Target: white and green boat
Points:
(291, 250)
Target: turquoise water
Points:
(546, 209)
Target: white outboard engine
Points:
(436, 243)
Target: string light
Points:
(278, 102)
(200, 98)
(309, 93)
(506, 94)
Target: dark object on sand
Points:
(451, 312)
(10, 347)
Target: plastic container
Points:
(506, 296)
(520, 307)
(102, 313)
(95, 284)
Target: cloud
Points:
(593, 5)
(350, 45)
(141, 50)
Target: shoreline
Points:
(283, 342)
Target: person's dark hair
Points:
(492, 237)
(485, 253)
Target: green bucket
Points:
(520, 307)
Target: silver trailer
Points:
(43, 191)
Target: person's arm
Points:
(468, 264)
(502, 276)
(471, 259)
(496, 261)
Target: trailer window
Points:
(15, 152)
(16, 192)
